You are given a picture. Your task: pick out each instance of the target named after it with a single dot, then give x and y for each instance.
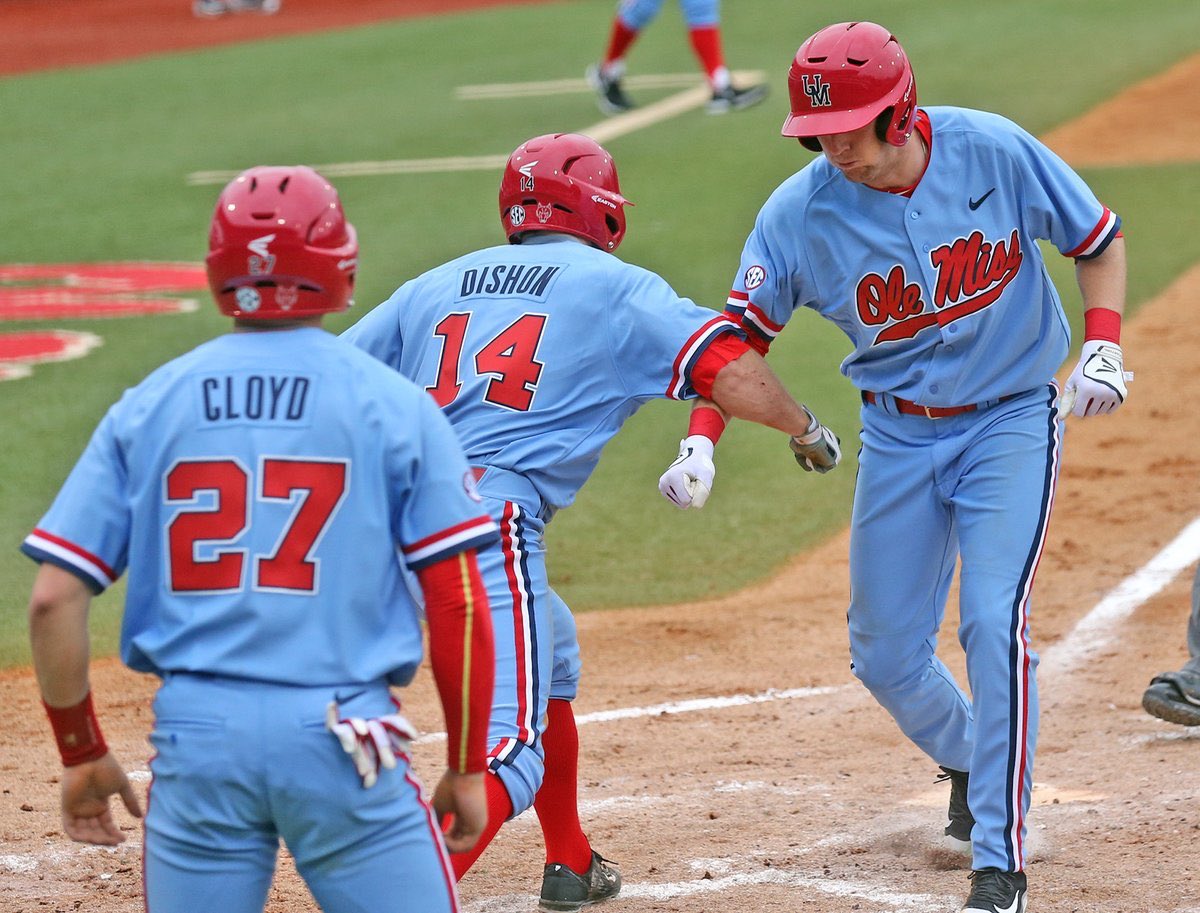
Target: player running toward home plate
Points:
(266, 492)
(538, 351)
(916, 231)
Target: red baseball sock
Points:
(706, 42)
(557, 802)
(499, 809)
(620, 40)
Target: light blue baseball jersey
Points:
(264, 491)
(538, 352)
(944, 295)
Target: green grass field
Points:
(96, 159)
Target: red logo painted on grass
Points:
(61, 291)
(18, 351)
(58, 291)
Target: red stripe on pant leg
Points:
(520, 614)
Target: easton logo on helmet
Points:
(817, 91)
(527, 175)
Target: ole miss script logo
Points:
(971, 274)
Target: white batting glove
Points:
(818, 448)
(688, 481)
(372, 743)
(1097, 385)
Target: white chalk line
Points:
(572, 86)
(693, 705)
(602, 132)
(1097, 628)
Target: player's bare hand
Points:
(373, 743)
(1097, 385)
(818, 449)
(460, 802)
(688, 481)
(86, 789)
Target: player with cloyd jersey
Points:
(266, 492)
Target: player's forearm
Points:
(462, 656)
(58, 635)
(1102, 280)
(748, 389)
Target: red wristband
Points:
(1102, 323)
(77, 732)
(708, 422)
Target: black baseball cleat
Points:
(961, 821)
(734, 99)
(994, 891)
(563, 889)
(1174, 697)
(609, 95)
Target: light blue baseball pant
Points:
(637, 14)
(537, 650)
(241, 764)
(978, 486)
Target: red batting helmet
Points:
(845, 76)
(563, 182)
(280, 246)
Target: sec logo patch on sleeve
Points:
(754, 277)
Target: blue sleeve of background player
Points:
(378, 331)
(436, 510)
(86, 530)
(1062, 207)
(657, 336)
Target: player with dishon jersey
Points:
(916, 231)
(538, 350)
(265, 492)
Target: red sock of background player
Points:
(557, 802)
(499, 810)
(618, 43)
(706, 42)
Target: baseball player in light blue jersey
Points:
(916, 233)
(266, 492)
(703, 19)
(538, 351)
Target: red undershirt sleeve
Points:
(720, 352)
(462, 655)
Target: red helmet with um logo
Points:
(280, 247)
(846, 76)
(563, 182)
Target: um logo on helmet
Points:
(817, 91)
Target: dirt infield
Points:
(807, 798)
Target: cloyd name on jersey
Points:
(971, 274)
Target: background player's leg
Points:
(557, 802)
(1193, 629)
(1007, 475)
(514, 572)
(902, 557)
